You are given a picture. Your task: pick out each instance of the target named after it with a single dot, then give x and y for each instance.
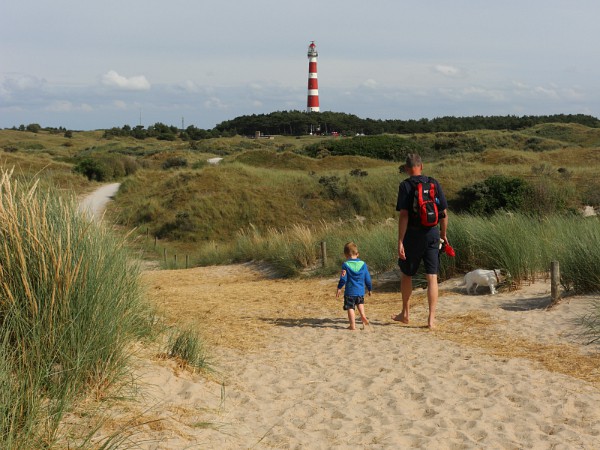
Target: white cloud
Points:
(370, 83)
(135, 83)
(214, 103)
(67, 106)
(545, 92)
(120, 104)
(449, 71)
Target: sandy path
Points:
(290, 375)
(95, 203)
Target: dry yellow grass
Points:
(239, 307)
(478, 329)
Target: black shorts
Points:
(350, 302)
(421, 244)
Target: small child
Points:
(355, 276)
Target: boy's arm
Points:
(368, 280)
(342, 282)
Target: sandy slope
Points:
(291, 376)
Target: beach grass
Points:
(187, 348)
(70, 304)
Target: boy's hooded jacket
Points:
(355, 276)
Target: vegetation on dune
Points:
(216, 202)
(69, 306)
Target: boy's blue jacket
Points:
(355, 276)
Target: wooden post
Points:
(175, 259)
(147, 233)
(165, 255)
(324, 253)
(155, 242)
(554, 281)
(186, 261)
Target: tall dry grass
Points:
(70, 304)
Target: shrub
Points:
(175, 161)
(358, 173)
(70, 305)
(106, 167)
(332, 186)
(495, 193)
(33, 127)
(92, 169)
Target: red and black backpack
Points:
(425, 209)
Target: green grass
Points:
(186, 346)
(70, 304)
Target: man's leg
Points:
(406, 290)
(432, 297)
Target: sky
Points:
(98, 64)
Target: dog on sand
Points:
(481, 277)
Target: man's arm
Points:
(402, 226)
(444, 225)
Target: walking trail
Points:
(500, 371)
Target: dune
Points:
(502, 371)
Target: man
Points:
(416, 241)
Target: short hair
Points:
(413, 160)
(350, 249)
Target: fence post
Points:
(324, 253)
(165, 254)
(186, 261)
(554, 281)
(155, 242)
(175, 259)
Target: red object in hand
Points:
(449, 250)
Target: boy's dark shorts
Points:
(421, 244)
(350, 302)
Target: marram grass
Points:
(69, 305)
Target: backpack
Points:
(425, 209)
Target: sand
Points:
(289, 375)
(95, 203)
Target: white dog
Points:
(480, 277)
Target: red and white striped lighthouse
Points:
(312, 103)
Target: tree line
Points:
(301, 123)
(298, 123)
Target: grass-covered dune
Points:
(215, 202)
(70, 305)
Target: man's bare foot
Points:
(431, 326)
(399, 318)
(351, 328)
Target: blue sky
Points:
(91, 64)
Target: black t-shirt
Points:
(406, 194)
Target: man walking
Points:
(422, 206)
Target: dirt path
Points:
(95, 203)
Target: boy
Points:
(355, 276)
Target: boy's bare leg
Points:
(363, 317)
(432, 297)
(351, 318)
(406, 290)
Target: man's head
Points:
(413, 164)
(350, 250)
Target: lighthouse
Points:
(312, 103)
